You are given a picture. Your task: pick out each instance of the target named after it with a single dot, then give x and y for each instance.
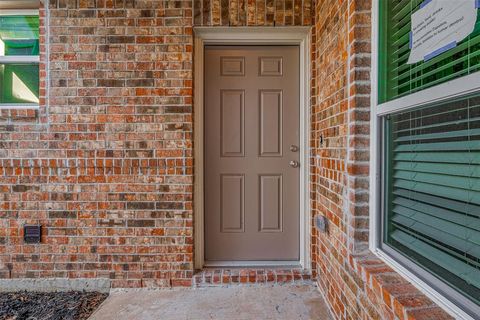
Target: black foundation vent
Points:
(32, 233)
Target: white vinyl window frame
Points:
(453, 89)
(19, 59)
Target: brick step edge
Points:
(233, 276)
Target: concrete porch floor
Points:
(287, 301)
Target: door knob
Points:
(294, 164)
(293, 148)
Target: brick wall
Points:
(357, 284)
(252, 12)
(106, 164)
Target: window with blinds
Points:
(432, 196)
(396, 77)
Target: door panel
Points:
(271, 66)
(271, 207)
(232, 66)
(251, 122)
(232, 197)
(232, 122)
(271, 112)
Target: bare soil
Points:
(72, 305)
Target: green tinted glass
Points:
(19, 35)
(19, 83)
(432, 172)
(396, 77)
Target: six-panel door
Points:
(252, 153)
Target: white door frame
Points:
(243, 36)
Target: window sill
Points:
(19, 106)
(400, 298)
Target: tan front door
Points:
(252, 153)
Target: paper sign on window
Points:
(439, 25)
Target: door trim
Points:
(259, 36)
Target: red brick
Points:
(432, 313)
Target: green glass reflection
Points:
(19, 35)
(396, 77)
(19, 83)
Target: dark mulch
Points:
(73, 305)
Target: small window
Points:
(19, 58)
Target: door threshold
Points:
(255, 264)
(279, 273)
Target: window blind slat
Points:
(440, 135)
(403, 68)
(399, 76)
(465, 183)
(420, 85)
(446, 192)
(401, 36)
(402, 8)
(463, 170)
(465, 208)
(428, 236)
(441, 230)
(440, 213)
(462, 270)
(441, 147)
(437, 125)
(438, 157)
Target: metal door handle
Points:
(294, 164)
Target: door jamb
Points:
(243, 36)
